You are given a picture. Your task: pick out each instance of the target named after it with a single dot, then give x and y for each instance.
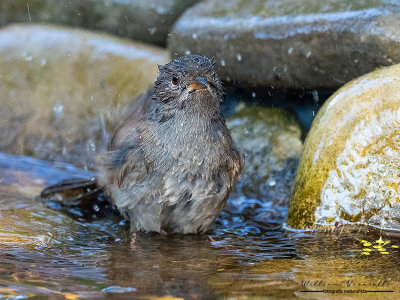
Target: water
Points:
(247, 253)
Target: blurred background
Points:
(68, 73)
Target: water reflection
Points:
(247, 253)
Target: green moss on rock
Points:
(270, 141)
(349, 168)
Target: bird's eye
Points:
(175, 80)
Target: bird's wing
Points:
(125, 160)
(138, 109)
(238, 165)
(125, 154)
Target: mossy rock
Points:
(349, 170)
(270, 140)
(63, 91)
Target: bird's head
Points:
(190, 80)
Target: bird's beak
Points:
(199, 84)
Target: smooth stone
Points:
(348, 173)
(26, 177)
(63, 91)
(270, 139)
(286, 43)
(144, 20)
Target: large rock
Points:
(270, 140)
(62, 91)
(286, 43)
(349, 170)
(144, 20)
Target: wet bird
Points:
(172, 164)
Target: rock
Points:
(349, 170)
(270, 141)
(144, 20)
(26, 177)
(63, 91)
(304, 43)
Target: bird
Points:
(171, 165)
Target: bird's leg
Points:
(217, 243)
(133, 244)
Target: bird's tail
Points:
(82, 199)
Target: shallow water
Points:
(247, 253)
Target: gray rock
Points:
(143, 20)
(63, 91)
(270, 140)
(286, 43)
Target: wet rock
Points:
(26, 177)
(349, 170)
(143, 20)
(62, 91)
(270, 141)
(287, 43)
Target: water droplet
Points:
(118, 289)
(194, 36)
(239, 57)
(227, 78)
(308, 54)
(58, 108)
(253, 94)
(271, 182)
(223, 63)
(290, 51)
(161, 10)
(187, 52)
(91, 146)
(152, 30)
(315, 96)
(96, 208)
